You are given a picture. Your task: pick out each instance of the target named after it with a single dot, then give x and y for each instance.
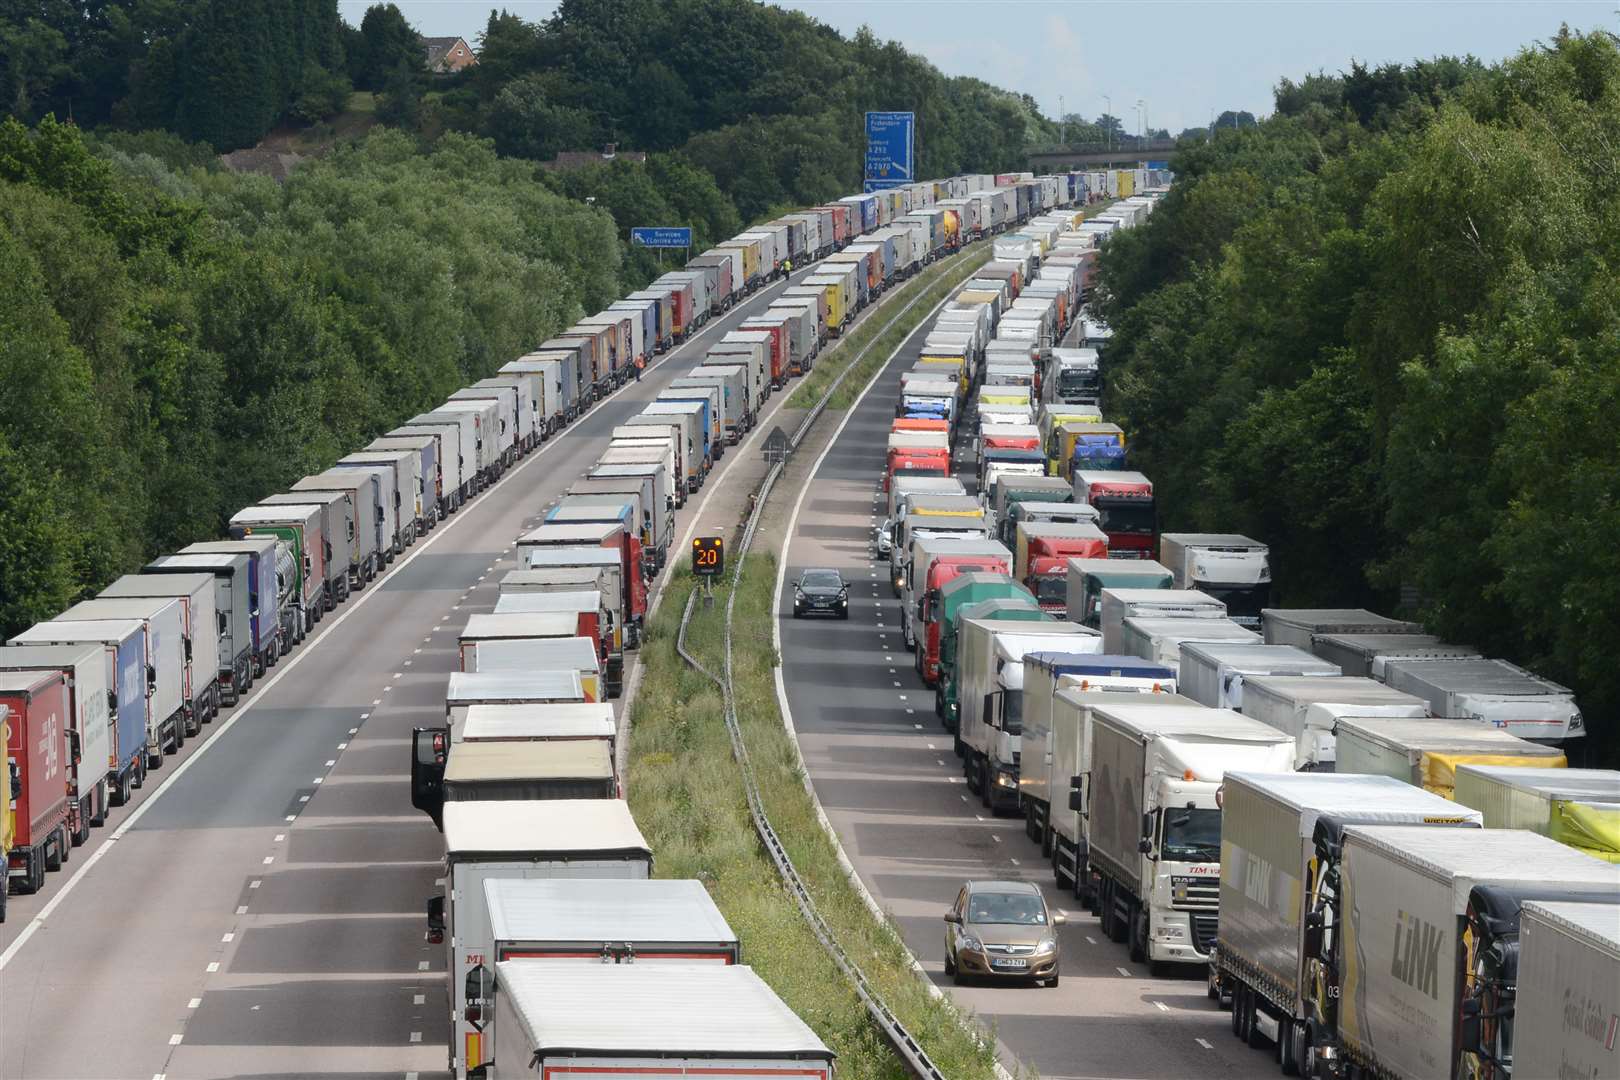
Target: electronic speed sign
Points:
(708, 556)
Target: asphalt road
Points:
(258, 909)
(886, 775)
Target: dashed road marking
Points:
(1161, 1006)
(268, 859)
(1205, 1043)
(419, 999)
(421, 965)
(194, 1003)
(1090, 940)
(174, 1040)
(241, 909)
(255, 883)
(213, 966)
(1123, 972)
(228, 938)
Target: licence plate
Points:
(1015, 964)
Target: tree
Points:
(401, 102)
(387, 42)
(1241, 118)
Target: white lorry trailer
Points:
(990, 697)
(1117, 605)
(1159, 639)
(1569, 956)
(1213, 673)
(1578, 807)
(1495, 691)
(1233, 569)
(1298, 626)
(1153, 819)
(1427, 752)
(1268, 822)
(1309, 707)
(646, 1021)
(488, 839)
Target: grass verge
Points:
(932, 285)
(687, 795)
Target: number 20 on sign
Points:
(708, 556)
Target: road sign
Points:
(661, 237)
(708, 556)
(889, 145)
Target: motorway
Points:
(258, 910)
(885, 773)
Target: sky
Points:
(1182, 59)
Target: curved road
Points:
(889, 781)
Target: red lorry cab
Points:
(608, 535)
(1124, 502)
(1048, 571)
(915, 461)
(37, 753)
(1011, 442)
(941, 572)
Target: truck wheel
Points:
(33, 878)
(154, 761)
(5, 887)
(82, 833)
(1138, 932)
(1251, 1030)
(51, 852)
(1288, 1046)
(984, 783)
(1237, 1009)
(102, 796)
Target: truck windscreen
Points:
(1077, 384)
(1192, 834)
(1012, 722)
(1135, 516)
(1052, 588)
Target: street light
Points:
(1108, 113)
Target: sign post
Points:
(708, 563)
(890, 142)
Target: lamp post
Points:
(1108, 113)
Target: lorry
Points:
(1426, 752)
(1577, 807)
(701, 1020)
(990, 697)
(930, 515)
(458, 440)
(432, 483)
(1152, 811)
(568, 770)
(299, 527)
(394, 536)
(499, 838)
(336, 512)
(89, 722)
(603, 920)
(1385, 941)
(1300, 626)
(626, 499)
(406, 491)
(694, 418)
(233, 611)
(1042, 554)
(945, 565)
(1160, 638)
(365, 527)
(688, 448)
(1050, 741)
(603, 562)
(625, 543)
(1233, 569)
(1074, 376)
(1125, 508)
(964, 549)
(1355, 653)
(1268, 851)
(271, 583)
(1119, 604)
(962, 591)
(38, 719)
(166, 650)
(1568, 952)
(1085, 580)
(200, 626)
(1309, 707)
(1008, 491)
(1494, 691)
(521, 723)
(1213, 673)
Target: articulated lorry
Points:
(1213, 673)
(1052, 743)
(1299, 627)
(947, 563)
(963, 591)
(1355, 654)
(1042, 554)
(1233, 569)
(1124, 502)
(1153, 820)
(1268, 854)
(1569, 956)
(1087, 578)
(1426, 753)
(1386, 939)
(38, 720)
(1493, 691)
(990, 697)
(1577, 807)
(200, 628)
(489, 839)
(1116, 604)
(1309, 707)
(163, 620)
(90, 724)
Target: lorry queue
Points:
(1339, 818)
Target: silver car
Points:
(1002, 930)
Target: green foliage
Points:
(386, 41)
(1377, 330)
(177, 344)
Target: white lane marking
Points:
(996, 838)
(374, 704)
(213, 966)
(1205, 1043)
(1090, 940)
(939, 761)
(1015, 862)
(964, 798)
(902, 696)
(227, 938)
(917, 726)
(1161, 1006)
(416, 1036)
(194, 1003)
(1123, 972)
(931, 746)
(390, 686)
(292, 817)
(280, 836)
(913, 712)
(421, 965)
(241, 909)
(174, 1040)
(331, 763)
(268, 859)
(343, 746)
(303, 798)
(408, 662)
(317, 779)
(255, 883)
(419, 999)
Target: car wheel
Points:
(950, 964)
(957, 978)
(1051, 984)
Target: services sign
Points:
(662, 237)
(890, 140)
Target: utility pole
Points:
(1108, 112)
(1063, 126)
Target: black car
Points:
(821, 592)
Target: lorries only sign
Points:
(889, 144)
(661, 237)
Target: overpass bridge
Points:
(1100, 155)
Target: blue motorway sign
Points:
(662, 237)
(889, 144)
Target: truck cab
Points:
(932, 611)
(1125, 509)
(1231, 568)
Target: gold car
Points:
(1001, 930)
